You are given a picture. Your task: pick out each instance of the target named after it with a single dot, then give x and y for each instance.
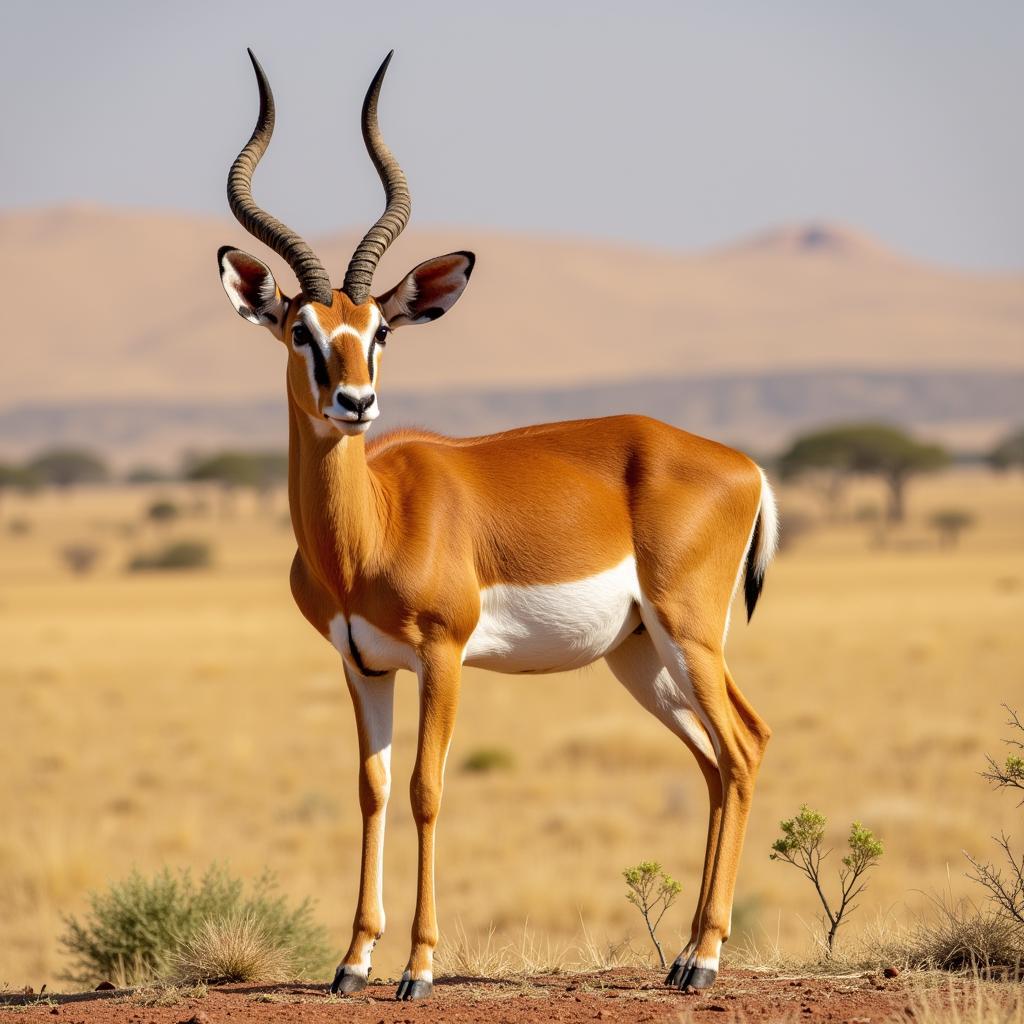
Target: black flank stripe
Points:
(358, 658)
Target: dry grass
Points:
(980, 1002)
(233, 949)
(165, 995)
(529, 954)
(153, 719)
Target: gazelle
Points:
(534, 550)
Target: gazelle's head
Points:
(334, 336)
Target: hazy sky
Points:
(677, 124)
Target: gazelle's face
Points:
(334, 352)
(334, 361)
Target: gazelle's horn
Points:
(359, 276)
(298, 254)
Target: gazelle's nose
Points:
(357, 404)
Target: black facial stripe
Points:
(302, 337)
(369, 358)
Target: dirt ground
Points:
(623, 995)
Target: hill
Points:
(124, 308)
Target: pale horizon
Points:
(678, 127)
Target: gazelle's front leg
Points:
(439, 676)
(373, 699)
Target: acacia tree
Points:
(871, 449)
(16, 478)
(64, 467)
(262, 471)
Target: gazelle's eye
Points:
(382, 333)
(301, 335)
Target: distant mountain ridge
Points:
(757, 412)
(121, 309)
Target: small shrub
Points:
(801, 846)
(133, 929)
(488, 759)
(181, 554)
(80, 558)
(1006, 891)
(949, 523)
(959, 936)
(163, 511)
(235, 948)
(652, 892)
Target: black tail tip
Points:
(752, 589)
(754, 579)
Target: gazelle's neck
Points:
(334, 501)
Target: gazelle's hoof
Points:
(347, 980)
(687, 976)
(410, 988)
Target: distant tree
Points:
(261, 471)
(145, 475)
(63, 467)
(1009, 452)
(950, 523)
(872, 449)
(17, 478)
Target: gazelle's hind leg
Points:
(639, 668)
(739, 738)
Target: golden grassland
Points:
(152, 719)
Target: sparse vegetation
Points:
(80, 558)
(488, 759)
(133, 931)
(957, 935)
(1005, 885)
(801, 845)
(260, 470)
(180, 554)
(652, 892)
(17, 478)
(234, 948)
(949, 523)
(65, 467)
(163, 510)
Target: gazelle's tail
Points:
(762, 545)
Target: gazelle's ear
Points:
(252, 289)
(428, 291)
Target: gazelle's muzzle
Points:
(353, 408)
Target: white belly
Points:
(554, 626)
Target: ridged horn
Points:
(359, 276)
(313, 279)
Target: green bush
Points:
(133, 931)
(163, 511)
(180, 554)
(801, 845)
(652, 892)
(488, 759)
